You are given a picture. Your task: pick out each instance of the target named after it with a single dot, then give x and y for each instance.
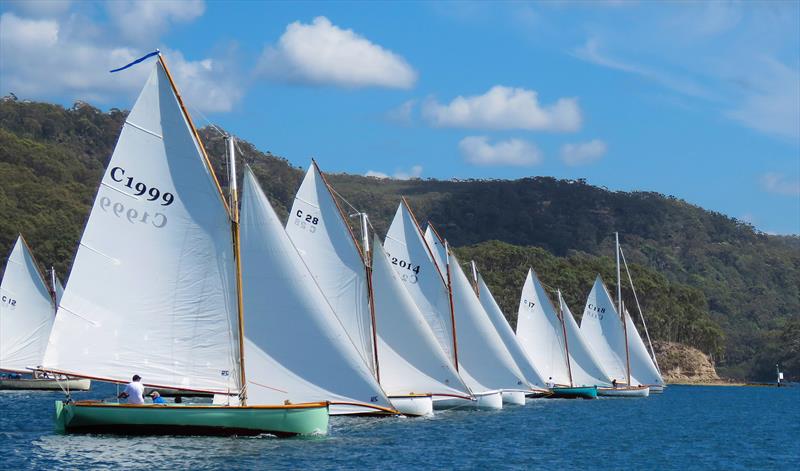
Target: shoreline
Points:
(725, 383)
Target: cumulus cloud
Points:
(779, 184)
(583, 153)
(415, 172)
(403, 114)
(504, 108)
(69, 56)
(321, 53)
(477, 150)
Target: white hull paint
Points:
(355, 409)
(516, 398)
(413, 406)
(492, 400)
(657, 388)
(28, 384)
(642, 391)
(449, 402)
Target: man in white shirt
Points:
(134, 391)
(550, 383)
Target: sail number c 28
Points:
(306, 221)
(140, 188)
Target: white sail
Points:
(437, 247)
(413, 262)
(26, 311)
(153, 281)
(59, 289)
(302, 353)
(410, 358)
(326, 243)
(586, 369)
(540, 332)
(602, 329)
(483, 360)
(642, 366)
(509, 339)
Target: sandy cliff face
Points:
(683, 364)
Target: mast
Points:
(53, 289)
(564, 331)
(234, 212)
(622, 314)
(475, 278)
(371, 294)
(452, 308)
(639, 308)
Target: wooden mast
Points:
(564, 331)
(475, 278)
(452, 307)
(363, 252)
(622, 315)
(234, 195)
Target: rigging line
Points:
(639, 308)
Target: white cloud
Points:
(70, 56)
(321, 53)
(142, 20)
(40, 8)
(477, 150)
(504, 108)
(583, 153)
(415, 172)
(779, 184)
(403, 114)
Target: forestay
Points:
(26, 311)
(484, 362)
(509, 339)
(540, 332)
(153, 281)
(602, 329)
(326, 244)
(586, 369)
(411, 359)
(413, 262)
(642, 366)
(298, 350)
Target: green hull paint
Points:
(191, 420)
(583, 392)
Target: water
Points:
(684, 428)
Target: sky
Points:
(699, 100)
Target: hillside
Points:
(706, 279)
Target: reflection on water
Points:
(685, 428)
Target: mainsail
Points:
(26, 311)
(58, 288)
(642, 366)
(602, 329)
(410, 357)
(413, 261)
(153, 283)
(484, 362)
(297, 348)
(540, 332)
(586, 369)
(509, 339)
(328, 248)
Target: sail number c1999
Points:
(157, 220)
(140, 188)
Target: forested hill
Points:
(705, 279)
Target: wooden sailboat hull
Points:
(578, 392)
(515, 398)
(657, 388)
(413, 405)
(44, 384)
(641, 391)
(127, 419)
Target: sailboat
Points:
(644, 364)
(500, 326)
(27, 311)
(370, 301)
(491, 307)
(553, 344)
(155, 288)
(302, 350)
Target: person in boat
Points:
(134, 391)
(614, 383)
(550, 383)
(157, 399)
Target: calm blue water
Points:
(684, 428)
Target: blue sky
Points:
(696, 100)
